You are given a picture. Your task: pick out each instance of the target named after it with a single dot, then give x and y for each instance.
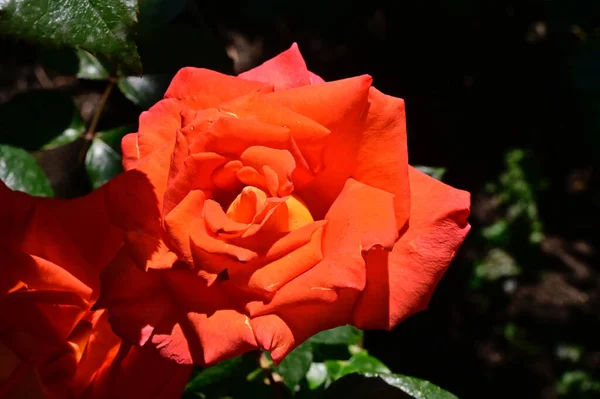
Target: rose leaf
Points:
(104, 27)
(392, 386)
(20, 172)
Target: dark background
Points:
(506, 97)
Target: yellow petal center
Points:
(290, 215)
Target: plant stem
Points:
(91, 132)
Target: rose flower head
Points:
(261, 209)
(52, 252)
(52, 344)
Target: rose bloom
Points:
(52, 345)
(261, 209)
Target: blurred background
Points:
(502, 99)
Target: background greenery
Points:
(503, 100)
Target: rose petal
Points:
(223, 334)
(15, 210)
(180, 153)
(134, 199)
(315, 79)
(157, 127)
(225, 177)
(283, 332)
(334, 105)
(382, 160)
(281, 162)
(63, 232)
(272, 243)
(360, 218)
(195, 174)
(341, 107)
(97, 239)
(232, 136)
(47, 315)
(261, 108)
(308, 134)
(139, 373)
(23, 382)
(247, 204)
(274, 335)
(135, 299)
(101, 347)
(212, 254)
(209, 88)
(270, 273)
(401, 283)
(218, 221)
(196, 121)
(122, 281)
(44, 236)
(38, 274)
(252, 178)
(135, 322)
(213, 328)
(148, 252)
(130, 150)
(179, 221)
(272, 216)
(284, 71)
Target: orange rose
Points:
(51, 343)
(138, 373)
(52, 253)
(259, 210)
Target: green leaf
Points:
(347, 335)
(436, 173)
(384, 386)
(144, 91)
(103, 160)
(154, 14)
(99, 26)
(295, 365)
(317, 375)
(113, 137)
(497, 264)
(355, 386)
(240, 377)
(70, 134)
(360, 362)
(77, 62)
(568, 352)
(578, 384)
(415, 387)
(91, 67)
(213, 375)
(20, 172)
(102, 163)
(496, 232)
(40, 119)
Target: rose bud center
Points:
(290, 215)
